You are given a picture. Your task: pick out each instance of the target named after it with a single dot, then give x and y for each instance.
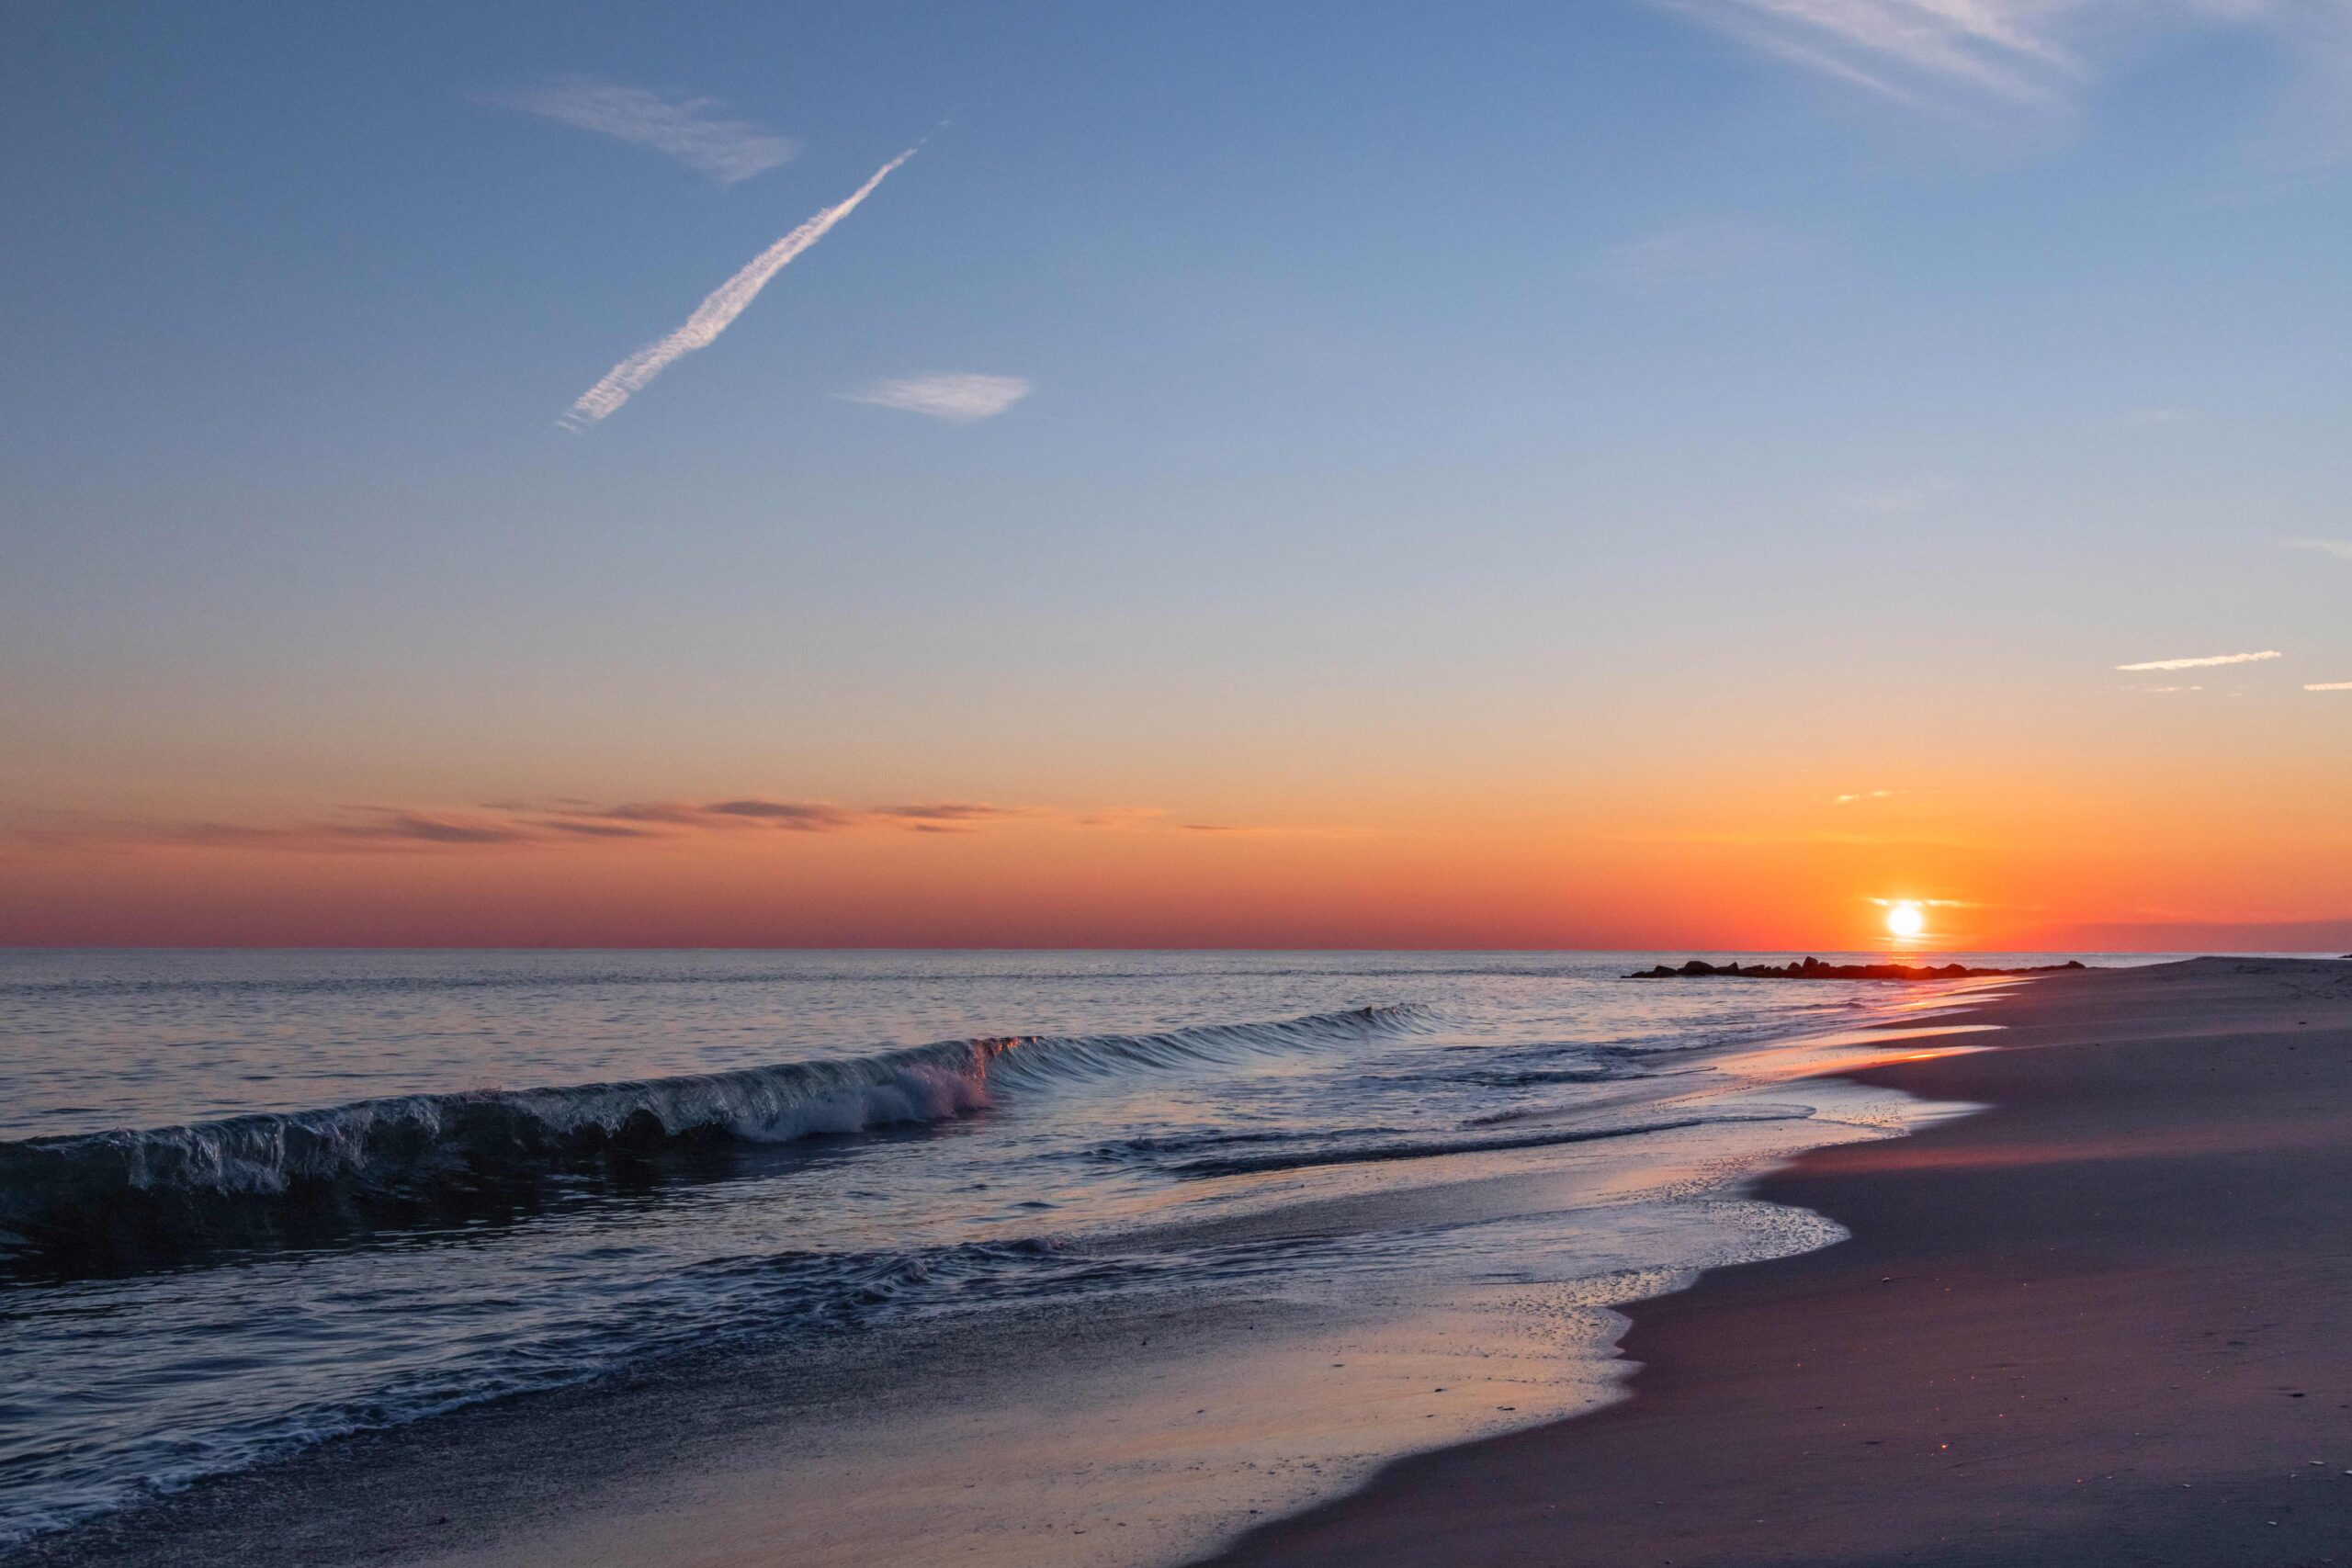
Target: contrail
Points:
(2206, 663)
(717, 313)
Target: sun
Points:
(1905, 919)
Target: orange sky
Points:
(1597, 479)
(2004, 858)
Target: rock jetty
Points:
(1815, 969)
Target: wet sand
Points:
(2102, 1322)
(1107, 1431)
(2107, 1320)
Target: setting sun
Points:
(1103, 759)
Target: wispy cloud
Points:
(780, 816)
(361, 829)
(726, 149)
(554, 822)
(2340, 548)
(793, 816)
(423, 829)
(717, 313)
(1901, 48)
(2148, 419)
(951, 811)
(2329, 687)
(1863, 794)
(2209, 662)
(960, 399)
(1976, 53)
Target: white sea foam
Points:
(721, 1161)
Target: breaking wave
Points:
(280, 1176)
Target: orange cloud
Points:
(499, 824)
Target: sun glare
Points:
(1906, 919)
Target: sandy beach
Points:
(2096, 1321)
(987, 785)
(2100, 1323)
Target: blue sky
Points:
(1437, 375)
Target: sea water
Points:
(251, 1200)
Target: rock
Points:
(1813, 969)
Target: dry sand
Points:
(2107, 1321)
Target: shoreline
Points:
(1177, 1414)
(1814, 1393)
(2096, 1323)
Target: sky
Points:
(1633, 474)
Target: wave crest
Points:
(268, 1176)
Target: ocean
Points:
(251, 1201)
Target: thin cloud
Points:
(1900, 48)
(717, 313)
(427, 829)
(1859, 795)
(2207, 662)
(653, 814)
(2329, 687)
(780, 816)
(799, 816)
(376, 828)
(602, 829)
(950, 811)
(2150, 418)
(562, 821)
(1978, 54)
(726, 149)
(958, 398)
(2340, 548)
